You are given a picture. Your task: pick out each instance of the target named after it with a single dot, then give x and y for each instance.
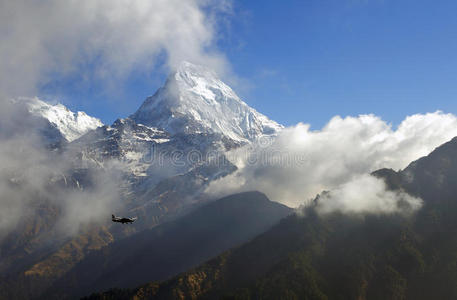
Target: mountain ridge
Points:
(175, 246)
(195, 100)
(72, 125)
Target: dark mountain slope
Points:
(310, 257)
(432, 177)
(173, 247)
(340, 256)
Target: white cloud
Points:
(366, 194)
(104, 39)
(301, 163)
(33, 178)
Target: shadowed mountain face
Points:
(166, 250)
(337, 256)
(432, 177)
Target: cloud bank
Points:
(103, 39)
(297, 165)
(366, 194)
(85, 40)
(35, 180)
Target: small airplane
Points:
(122, 220)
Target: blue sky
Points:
(307, 61)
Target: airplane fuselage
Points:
(122, 220)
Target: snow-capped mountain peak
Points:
(195, 100)
(70, 124)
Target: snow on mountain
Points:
(70, 124)
(195, 100)
(124, 141)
